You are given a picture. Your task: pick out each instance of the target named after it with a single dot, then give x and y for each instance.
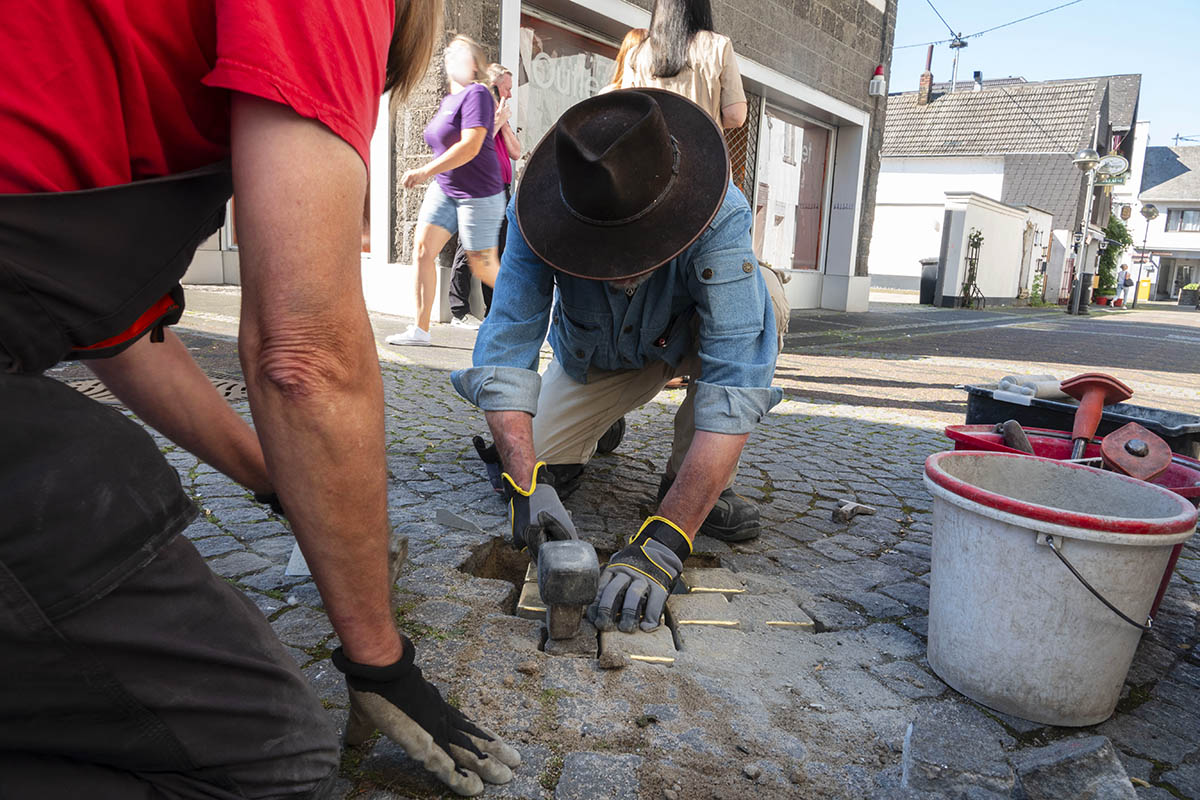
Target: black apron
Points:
(78, 269)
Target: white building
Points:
(1008, 141)
(1171, 182)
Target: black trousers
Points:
(460, 273)
(129, 670)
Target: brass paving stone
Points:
(654, 647)
(712, 580)
(771, 612)
(530, 605)
(715, 643)
(702, 609)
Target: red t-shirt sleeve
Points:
(324, 60)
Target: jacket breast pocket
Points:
(581, 338)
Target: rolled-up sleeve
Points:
(504, 374)
(738, 340)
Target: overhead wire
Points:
(956, 37)
(943, 19)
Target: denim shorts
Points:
(476, 220)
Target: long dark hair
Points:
(672, 27)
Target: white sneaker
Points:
(468, 322)
(412, 336)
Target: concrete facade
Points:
(909, 208)
(998, 271)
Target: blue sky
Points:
(1157, 39)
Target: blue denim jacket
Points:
(595, 326)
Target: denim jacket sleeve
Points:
(738, 340)
(504, 376)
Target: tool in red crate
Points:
(1094, 391)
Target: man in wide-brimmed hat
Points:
(626, 206)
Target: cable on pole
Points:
(956, 37)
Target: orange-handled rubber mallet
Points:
(1094, 391)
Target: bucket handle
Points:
(1149, 620)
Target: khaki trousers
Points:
(572, 416)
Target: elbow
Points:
(733, 116)
(300, 362)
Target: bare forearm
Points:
(706, 469)
(161, 383)
(324, 450)
(513, 434)
(309, 358)
(511, 143)
(455, 156)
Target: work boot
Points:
(732, 519)
(612, 437)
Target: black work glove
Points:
(635, 583)
(536, 515)
(490, 457)
(410, 711)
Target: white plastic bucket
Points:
(1009, 625)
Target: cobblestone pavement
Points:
(746, 709)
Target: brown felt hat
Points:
(622, 184)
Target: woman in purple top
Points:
(467, 195)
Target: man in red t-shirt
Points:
(130, 670)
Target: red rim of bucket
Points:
(1183, 522)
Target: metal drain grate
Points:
(90, 387)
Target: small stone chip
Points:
(752, 771)
(527, 668)
(851, 510)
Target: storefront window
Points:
(558, 68)
(789, 203)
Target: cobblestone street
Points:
(808, 664)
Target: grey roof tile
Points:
(1171, 173)
(1045, 117)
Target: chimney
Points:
(926, 85)
(978, 81)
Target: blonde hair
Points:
(477, 54)
(632, 39)
(497, 71)
(408, 57)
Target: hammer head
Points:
(568, 572)
(568, 576)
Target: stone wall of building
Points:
(479, 19)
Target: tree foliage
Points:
(1118, 239)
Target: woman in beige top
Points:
(683, 54)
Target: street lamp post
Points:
(1149, 211)
(1086, 159)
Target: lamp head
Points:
(1086, 159)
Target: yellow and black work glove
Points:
(635, 583)
(410, 711)
(536, 515)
